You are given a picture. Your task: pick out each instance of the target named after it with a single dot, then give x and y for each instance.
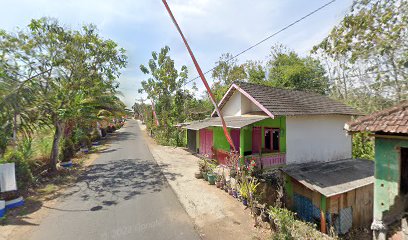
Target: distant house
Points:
(275, 126)
(390, 129)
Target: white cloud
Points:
(212, 27)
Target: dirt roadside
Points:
(20, 222)
(216, 214)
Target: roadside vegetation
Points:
(363, 62)
(58, 89)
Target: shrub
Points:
(288, 227)
(109, 129)
(95, 136)
(23, 172)
(103, 131)
(67, 150)
(85, 141)
(363, 146)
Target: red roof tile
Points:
(391, 120)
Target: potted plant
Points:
(205, 176)
(218, 181)
(203, 166)
(211, 177)
(226, 186)
(234, 193)
(198, 175)
(230, 189)
(265, 216)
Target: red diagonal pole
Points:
(227, 135)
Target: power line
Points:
(267, 38)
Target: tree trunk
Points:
(55, 145)
(15, 128)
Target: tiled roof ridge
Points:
(401, 106)
(305, 100)
(238, 82)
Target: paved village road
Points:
(124, 195)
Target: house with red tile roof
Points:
(390, 130)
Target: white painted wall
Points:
(233, 105)
(239, 104)
(248, 106)
(316, 138)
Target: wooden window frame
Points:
(271, 139)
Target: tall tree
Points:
(227, 70)
(255, 72)
(370, 46)
(288, 70)
(71, 66)
(164, 88)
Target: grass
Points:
(42, 144)
(48, 189)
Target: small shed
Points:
(389, 127)
(337, 193)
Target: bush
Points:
(363, 146)
(67, 150)
(85, 141)
(288, 227)
(95, 136)
(110, 129)
(103, 131)
(23, 172)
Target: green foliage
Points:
(23, 172)
(67, 150)
(25, 148)
(5, 133)
(289, 228)
(368, 51)
(288, 70)
(255, 72)
(172, 102)
(78, 67)
(247, 187)
(363, 146)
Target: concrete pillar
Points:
(379, 230)
(404, 227)
(242, 144)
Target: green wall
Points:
(220, 142)
(387, 176)
(278, 122)
(219, 139)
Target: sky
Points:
(212, 27)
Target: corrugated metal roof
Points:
(231, 121)
(335, 177)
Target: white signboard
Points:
(7, 177)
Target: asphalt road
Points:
(124, 195)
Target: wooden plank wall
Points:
(360, 200)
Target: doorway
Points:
(404, 171)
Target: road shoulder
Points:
(216, 214)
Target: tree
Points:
(227, 71)
(370, 44)
(71, 67)
(288, 70)
(255, 72)
(164, 89)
